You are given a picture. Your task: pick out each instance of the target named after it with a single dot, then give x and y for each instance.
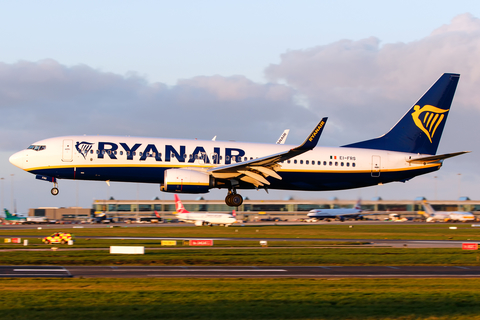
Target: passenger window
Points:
(336, 163)
(330, 163)
(319, 163)
(301, 161)
(295, 161)
(348, 164)
(324, 163)
(245, 159)
(306, 162)
(288, 161)
(121, 153)
(341, 163)
(353, 164)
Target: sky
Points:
(241, 71)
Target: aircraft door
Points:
(67, 150)
(376, 162)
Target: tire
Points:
(236, 200)
(228, 200)
(54, 191)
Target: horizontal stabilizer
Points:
(437, 157)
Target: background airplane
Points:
(21, 219)
(13, 218)
(203, 218)
(445, 216)
(339, 213)
(196, 166)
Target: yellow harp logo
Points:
(428, 118)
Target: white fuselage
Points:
(207, 218)
(333, 213)
(130, 159)
(451, 216)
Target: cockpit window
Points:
(37, 147)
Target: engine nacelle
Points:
(199, 223)
(186, 181)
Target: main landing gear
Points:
(233, 199)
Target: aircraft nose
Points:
(18, 159)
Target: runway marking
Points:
(462, 268)
(204, 270)
(342, 276)
(392, 267)
(46, 270)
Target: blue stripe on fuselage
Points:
(307, 181)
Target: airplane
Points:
(16, 218)
(203, 218)
(446, 216)
(13, 218)
(194, 166)
(339, 213)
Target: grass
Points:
(405, 299)
(256, 256)
(343, 231)
(301, 252)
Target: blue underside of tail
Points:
(420, 129)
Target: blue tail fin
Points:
(420, 129)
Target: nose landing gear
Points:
(55, 190)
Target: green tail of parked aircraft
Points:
(13, 217)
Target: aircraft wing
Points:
(256, 171)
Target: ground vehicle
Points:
(149, 220)
(276, 219)
(59, 237)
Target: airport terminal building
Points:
(251, 210)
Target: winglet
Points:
(283, 137)
(312, 140)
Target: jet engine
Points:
(186, 181)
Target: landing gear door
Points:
(376, 166)
(67, 150)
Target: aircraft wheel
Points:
(236, 200)
(228, 200)
(54, 191)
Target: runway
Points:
(334, 272)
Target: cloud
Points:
(366, 86)
(45, 98)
